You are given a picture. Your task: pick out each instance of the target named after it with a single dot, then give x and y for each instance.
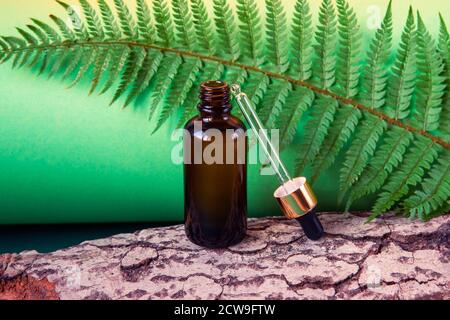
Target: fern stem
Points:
(234, 64)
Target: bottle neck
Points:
(215, 99)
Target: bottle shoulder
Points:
(228, 122)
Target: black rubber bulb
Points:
(311, 225)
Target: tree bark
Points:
(391, 258)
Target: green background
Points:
(67, 157)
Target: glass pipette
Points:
(295, 196)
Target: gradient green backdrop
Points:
(67, 157)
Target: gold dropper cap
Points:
(296, 198)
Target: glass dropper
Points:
(295, 196)
(261, 133)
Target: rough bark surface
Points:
(392, 258)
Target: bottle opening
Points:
(215, 96)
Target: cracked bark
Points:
(392, 258)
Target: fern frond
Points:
(77, 24)
(116, 63)
(99, 68)
(226, 28)
(74, 62)
(181, 85)
(373, 92)
(164, 23)
(360, 151)
(94, 25)
(345, 123)
(210, 71)
(183, 23)
(203, 26)
(256, 87)
(416, 162)
(430, 85)
(145, 75)
(273, 102)
(387, 157)
(164, 77)
(302, 36)
(127, 23)
(276, 29)
(250, 29)
(402, 81)
(435, 190)
(325, 48)
(66, 32)
(134, 63)
(297, 102)
(51, 34)
(144, 23)
(444, 50)
(110, 25)
(347, 74)
(316, 129)
(87, 59)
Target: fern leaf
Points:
(430, 85)
(340, 132)
(435, 190)
(325, 47)
(250, 29)
(298, 101)
(146, 73)
(132, 66)
(169, 68)
(118, 59)
(373, 92)
(315, 131)
(100, 66)
(183, 23)
(361, 150)
(164, 24)
(416, 162)
(88, 58)
(59, 61)
(39, 34)
(77, 24)
(276, 35)
(127, 23)
(181, 85)
(402, 82)
(444, 50)
(210, 71)
(226, 28)
(302, 36)
(66, 32)
(74, 61)
(93, 22)
(236, 75)
(144, 24)
(347, 77)
(110, 25)
(273, 102)
(256, 88)
(28, 37)
(51, 33)
(203, 26)
(387, 157)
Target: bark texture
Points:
(392, 258)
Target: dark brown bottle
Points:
(215, 171)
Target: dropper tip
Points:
(235, 89)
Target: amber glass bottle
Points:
(215, 171)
